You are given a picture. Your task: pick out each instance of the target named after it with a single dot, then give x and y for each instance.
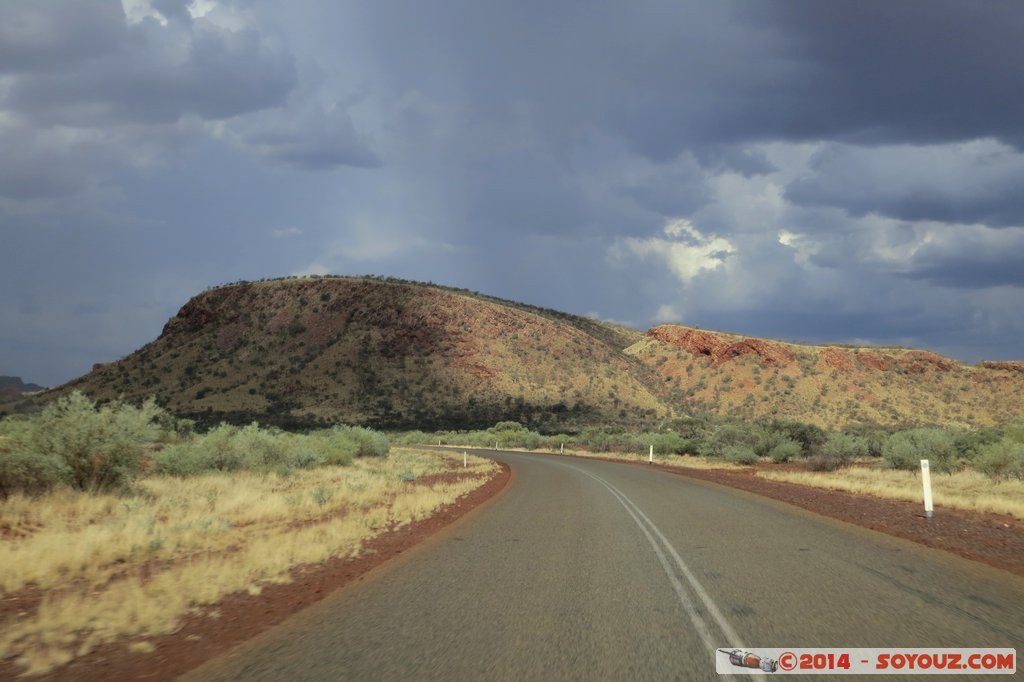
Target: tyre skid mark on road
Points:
(650, 531)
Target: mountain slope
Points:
(384, 353)
(750, 378)
(396, 354)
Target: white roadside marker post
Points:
(650, 458)
(495, 445)
(561, 448)
(926, 481)
(438, 442)
(465, 459)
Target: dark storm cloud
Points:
(40, 166)
(733, 158)
(672, 191)
(667, 76)
(899, 71)
(141, 78)
(977, 182)
(44, 34)
(972, 261)
(317, 138)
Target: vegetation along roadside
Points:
(119, 522)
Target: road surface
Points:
(592, 570)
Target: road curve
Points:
(594, 570)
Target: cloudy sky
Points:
(819, 171)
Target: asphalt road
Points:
(593, 570)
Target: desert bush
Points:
(739, 453)
(230, 448)
(671, 444)
(906, 449)
(508, 426)
(1014, 432)
(839, 450)
(613, 440)
(727, 436)
(414, 438)
(102, 448)
(874, 437)
(764, 440)
(810, 437)
(821, 462)
(1001, 460)
(75, 443)
(785, 450)
(368, 443)
(513, 438)
(970, 443)
(216, 450)
(29, 473)
(694, 429)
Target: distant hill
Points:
(14, 393)
(396, 354)
(16, 385)
(829, 385)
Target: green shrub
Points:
(216, 450)
(263, 449)
(369, 443)
(810, 437)
(229, 448)
(970, 443)
(1001, 460)
(823, 462)
(906, 449)
(840, 449)
(1014, 432)
(415, 438)
(727, 436)
(29, 473)
(508, 426)
(785, 450)
(101, 448)
(739, 454)
(874, 437)
(671, 444)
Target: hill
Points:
(385, 353)
(15, 394)
(397, 354)
(16, 385)
(830, 385)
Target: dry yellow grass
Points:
(200, 539)
(964, 490)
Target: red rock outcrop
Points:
(837, 358)
(1008, 365)
(874, 360)
(719, 348)
(923, 361)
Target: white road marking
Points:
(641, 519)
